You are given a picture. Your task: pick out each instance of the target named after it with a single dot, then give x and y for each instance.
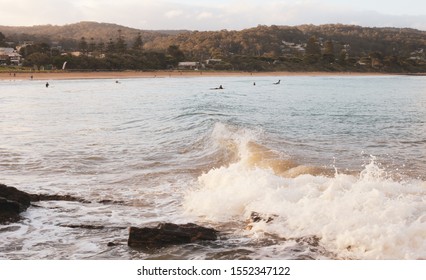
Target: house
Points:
(9, 56)
(189, 65)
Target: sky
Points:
(215, 14)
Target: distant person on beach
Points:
(47, 84)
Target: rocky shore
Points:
(13, 202)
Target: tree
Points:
(313, 48)
(92, 45)
(175, 55)
(2, 40)
(120, 46)
(37, 59)
(138, 44)
(328, 54)
(111, 46)
(35, 48)
(82, 45)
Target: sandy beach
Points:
(60, 75)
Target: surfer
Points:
(47, 84)
(277, 83)
(220, 87)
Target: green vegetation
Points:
(96, 46)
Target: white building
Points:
(188, 65)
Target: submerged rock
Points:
(169, 234)
(14, 201)
(50, 197)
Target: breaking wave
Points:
(363, 215)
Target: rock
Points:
(256, 217)
(12, 202)
(94, 227)
(9, 211)
(50, 197)
(169, 234)
(13, 194)
(112, 244)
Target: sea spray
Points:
(364, 216)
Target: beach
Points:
(77, 75)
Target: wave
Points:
(364, 215)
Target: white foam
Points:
(369, 216)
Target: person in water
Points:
(277, 83)
(47, 84)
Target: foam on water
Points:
(364, 216)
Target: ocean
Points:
(334, 165)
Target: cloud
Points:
(201, 14)
(173, 13)
(205, 15)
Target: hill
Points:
(68, 35)
(251, 41)
(331, 47)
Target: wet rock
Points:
(94, 227)
(112, 244)
(12, 203)
(13, 194)
(256, 217)
(311, 240)
(169, 234)
(51, 197)
(9, 211)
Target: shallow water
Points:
(338, 163)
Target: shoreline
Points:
(173, 74)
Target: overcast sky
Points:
(215, 14)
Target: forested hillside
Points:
(332, 47)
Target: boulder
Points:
(167, 234)
(12, 202)
(9, 211)
(13, 194)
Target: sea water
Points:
(334, 166)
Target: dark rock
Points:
(95, 227)
(51, 197)
(169, 234)
(13, 194)
(112, 244)
(9, 211)
(12, 202)
(256, 217)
